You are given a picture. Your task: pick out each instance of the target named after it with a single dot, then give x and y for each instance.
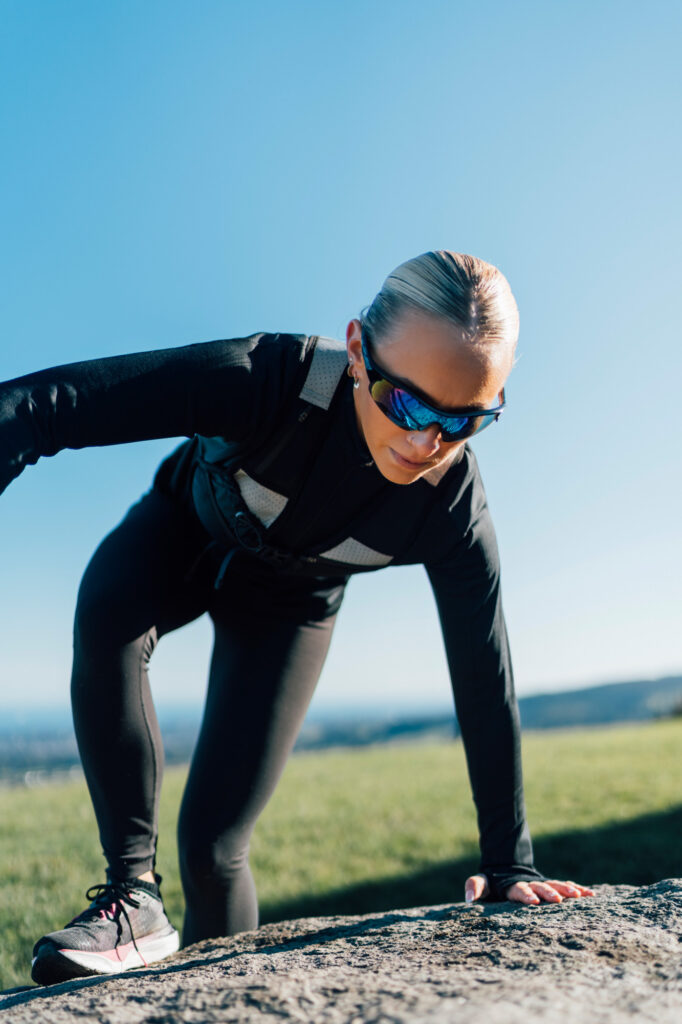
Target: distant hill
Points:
(599, 705)
(34, 747)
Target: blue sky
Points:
(176, 172)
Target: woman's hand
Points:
(531, 893)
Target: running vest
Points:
(239, 491)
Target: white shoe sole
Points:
(151, 949)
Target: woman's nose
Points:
(426, 440)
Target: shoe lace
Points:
(109, 898)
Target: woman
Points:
(308, 461)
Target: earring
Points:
(349, 371)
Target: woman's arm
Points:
(467, 592)
(466, 586)
(219, 388)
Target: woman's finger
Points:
(521, 892)
(571, 889)
(547, 891)
(475, 887)
(551, 891)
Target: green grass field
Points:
(365, 830)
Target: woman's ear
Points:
(354, 342)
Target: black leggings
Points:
(147, 578)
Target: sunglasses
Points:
(409, 412)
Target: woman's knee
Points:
(205, 859)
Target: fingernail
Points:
(469, 896)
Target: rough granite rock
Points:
(614, 957)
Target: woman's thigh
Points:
(139, 580)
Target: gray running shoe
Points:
(125, 926)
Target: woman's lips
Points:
(409, 463)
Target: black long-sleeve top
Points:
(328, 494)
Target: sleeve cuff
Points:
(501, 878)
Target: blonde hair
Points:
(470, 293)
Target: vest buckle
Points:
(246, 531)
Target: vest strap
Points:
(354, 552)
(262, 501)
(326, 369)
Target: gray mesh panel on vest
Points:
(355, 553)
(265, 504)
(328, 364)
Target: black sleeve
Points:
(217, 388)
(466, 586)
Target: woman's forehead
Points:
(434, 357)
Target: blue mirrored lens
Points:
(420, 417)
(407, 411)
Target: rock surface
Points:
(614, 957)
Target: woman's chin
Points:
(397, 470)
